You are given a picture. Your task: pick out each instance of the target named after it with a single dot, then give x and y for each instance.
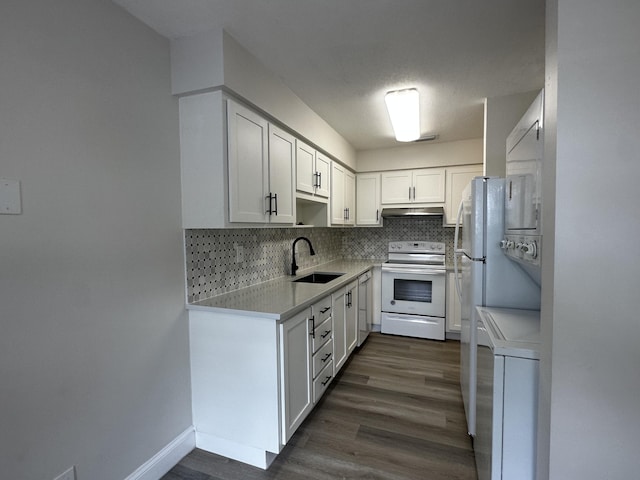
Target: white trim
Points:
(167, 458)
(253, 456)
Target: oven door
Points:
(417, 291)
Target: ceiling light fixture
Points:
(404, 112)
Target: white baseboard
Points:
(243, 453)
(167, 458)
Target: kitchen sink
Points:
(319, 277)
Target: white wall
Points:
(94, 358)
(590, 380)
(501, 114)
(420, 155)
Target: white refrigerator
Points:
(485, 275)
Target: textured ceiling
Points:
(341, 56)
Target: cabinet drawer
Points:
(322, 310)
(323, 334)
(322, 358)
(321, 383)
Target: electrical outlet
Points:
(239, 253)
(70, 474)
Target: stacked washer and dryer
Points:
(499, 264)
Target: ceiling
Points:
(341, 56)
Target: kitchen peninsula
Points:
(262, 356)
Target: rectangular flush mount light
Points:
(404, 112)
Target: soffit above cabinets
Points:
(341, 57)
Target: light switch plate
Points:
(10, 201)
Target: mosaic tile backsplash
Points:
(211, 255)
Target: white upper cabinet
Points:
(338, 212)
(343, 196)
(425, 185)
(323, 180)
(457, 180)
(313, 171)
(350, 197)
(236, 168)
(261, 166)
(247, 140)
(281, 176)
(368, 199)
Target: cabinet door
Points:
(297, 380)
(351, 317)
(457, 179)
(454, 323)
(339, 318)
(350, 197)
(323, 169)
(428, 185)
(305, 167)
(247, 139)
(368, 199)
(337, 195)
(281, 180)
(396, 187)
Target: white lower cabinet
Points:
(296, 371)
(254, 379)
(345, 323)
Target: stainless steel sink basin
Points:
(319, 277)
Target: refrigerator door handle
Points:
(457, 251)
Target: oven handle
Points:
(414, 270)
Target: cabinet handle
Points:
(275, 197)
(313, 326)
(414, 193)
(409, 193)
(377, 215)
(345, 214)
(325, 310)
(325, 358)
(324, 335)
(268, 199)
(327, 379)
(319, 174)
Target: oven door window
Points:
(412, 290)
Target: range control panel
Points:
(422, 246)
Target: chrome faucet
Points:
(294, 267)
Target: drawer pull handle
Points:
(326, 357)
(325, 310)
(326, 380)
(324, 335)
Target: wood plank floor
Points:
(394, 413)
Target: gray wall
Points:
(590, 380)
(93, 345)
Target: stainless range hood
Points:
(412, 212)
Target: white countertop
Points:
(513, 332)
(281, 298)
